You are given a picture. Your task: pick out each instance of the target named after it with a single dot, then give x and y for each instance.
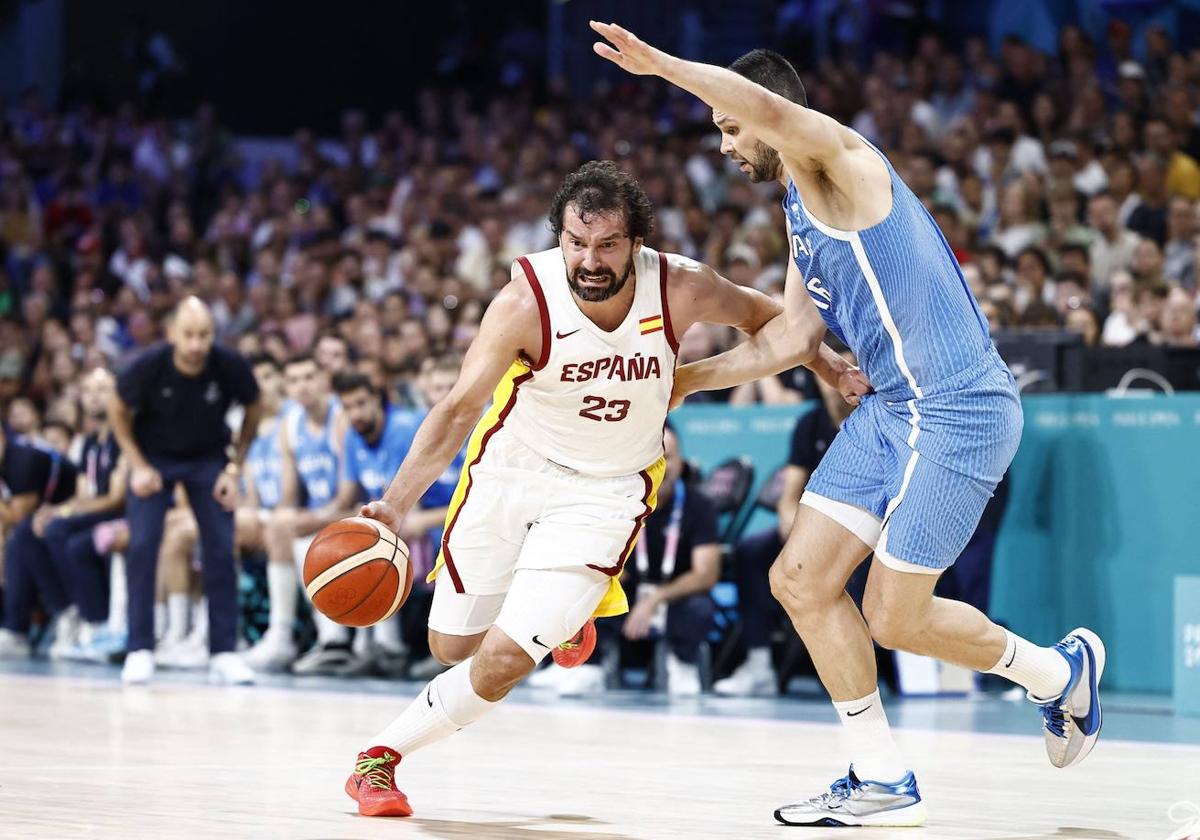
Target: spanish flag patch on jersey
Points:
(652, 324)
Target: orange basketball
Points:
(357, 573)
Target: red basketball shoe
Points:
(576, 650)
(373, 784)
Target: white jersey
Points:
(595, 401)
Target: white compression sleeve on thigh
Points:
(1044, 672)
(446, 705)
(282, 588)
(873, 751)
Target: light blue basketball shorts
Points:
(911, 478)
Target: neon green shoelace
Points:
(376, 771)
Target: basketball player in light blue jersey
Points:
(310, 444)
(909, 474)
(262, 476)
(377, 442)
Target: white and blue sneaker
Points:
(852, 801)
(1071, 722)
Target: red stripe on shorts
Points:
(504, 412)
(613, 571)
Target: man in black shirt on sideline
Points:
(30, 476)
(169, 417)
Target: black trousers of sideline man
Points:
(215, 524)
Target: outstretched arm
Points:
(780, 345)
(698, 294)
(786, 337)
(511, 326)
(799, 134)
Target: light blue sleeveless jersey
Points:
(924, 452)
(315, 455)
(894, 293)
(266, 467)
(373, 467)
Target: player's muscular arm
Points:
(511, 328)
(697, 294)
(790, 338)
(807, 137)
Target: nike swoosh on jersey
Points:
(566, 335)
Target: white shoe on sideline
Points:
(683, 680)
(229, 669)
(275, 651)
(547, 677)
(183, 655)
(138, 668)
(66, 633)
(13, 645)
(754, 678)
(581, 681)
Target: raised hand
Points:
(628, 51)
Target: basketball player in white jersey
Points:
(577, 353)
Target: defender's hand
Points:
(854, 385)
(631, 54)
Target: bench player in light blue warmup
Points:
(911, 470)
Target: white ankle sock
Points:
(873, 751)
(179, 608)
(446, 705)
(160, 619)
(282, 587)
(1043, 671)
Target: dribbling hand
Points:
(384, 512)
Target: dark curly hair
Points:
(599, 186)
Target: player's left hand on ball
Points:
(631, 53)
(854, 385)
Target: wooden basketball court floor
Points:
(80, 756)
